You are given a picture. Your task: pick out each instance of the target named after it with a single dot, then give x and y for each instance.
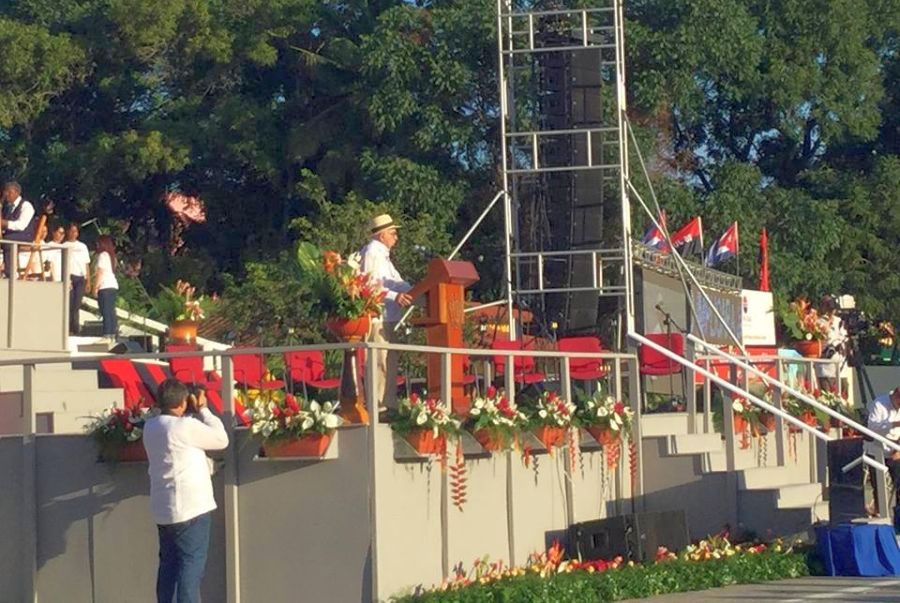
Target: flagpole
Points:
(702, 246)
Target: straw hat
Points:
(380, 224)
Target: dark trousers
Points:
(106, 298)
(182, 559)
(76, 294)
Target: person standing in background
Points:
(17, 221)
(106, 287)
(53, 256)
(79, 275)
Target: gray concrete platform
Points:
(880, 590)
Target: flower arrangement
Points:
(495, 421)
(804, 322)
(425, 423)
(551, 410)
(119, 430)
(714, 561)
(342, 290)
(551, 418)
(181, 302)
(274, 415)
(602, 412)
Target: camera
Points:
(854, 320)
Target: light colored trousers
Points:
(386, 363)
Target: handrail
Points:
(799, 395)
(149, 324)
(767, 359)
(365, 345)
(729, 386)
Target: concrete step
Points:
(798, 496)
(765, 478)
(694, 443)
(50, 377)
(67, 412)
(667, 423)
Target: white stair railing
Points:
(786, 388)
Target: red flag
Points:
(764, 260)
(691, 231)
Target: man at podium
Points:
(375, 259)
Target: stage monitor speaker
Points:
(635, 537)
(846, 491)
(127, 346)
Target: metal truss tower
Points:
(565, 162)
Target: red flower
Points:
(290, 403)
(491, 391)
(619, 408)
(414, 398)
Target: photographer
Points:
(829, 372)
(181, 492)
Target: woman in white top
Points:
(54, 256)
(105, 284)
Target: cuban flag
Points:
(654, 237)
(725, 247)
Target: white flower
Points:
(475, 411)
(602, 411)
(421, 419)
(542, 413)
(135, 434)
(314, 406)
(331, 421)
(614, 426)
(308, 423)
(737, 406)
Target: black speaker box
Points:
(846, 491)
(635, 537)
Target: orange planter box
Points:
(314, 444)
(550, 436)
(603, 435)
(424, 441)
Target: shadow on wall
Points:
(96, 537)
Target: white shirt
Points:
(881, 414)
(107, 276)
(837, 335)
(25, 217)
(180, 483)
(53, 255)
(376, 261)
(79, 258)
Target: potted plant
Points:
(346, 296)
(425, 424)
(118, 432)
(746, 414)
(607, 420)
(495, 421)
(807, 328)
(183, 309)
(551, 419)
(291, 426)
(800, 410)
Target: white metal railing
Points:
(776, 410)
(231, 482)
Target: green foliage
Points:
(629, 582)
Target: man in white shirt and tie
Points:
(17, 221)
(376, 261)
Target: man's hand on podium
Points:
(404, 299)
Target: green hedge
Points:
(628, 582)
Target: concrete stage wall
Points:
(304, 528)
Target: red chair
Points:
(584, 369)
(308, 369)
(189, 369)
(121, 372)
(524, 369)
(249, 370)
(653, 362)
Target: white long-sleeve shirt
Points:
(881, 414)
(180, 482)
(376, 261)
(837, 336)
(25, 216)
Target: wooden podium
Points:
(444, 286)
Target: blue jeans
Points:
(182, 559)
(106, 299)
